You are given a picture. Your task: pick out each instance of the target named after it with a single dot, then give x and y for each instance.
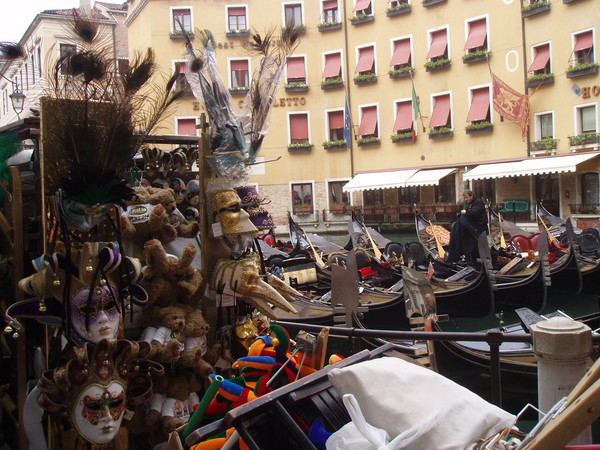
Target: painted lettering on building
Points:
(588, 91)
(283, 102)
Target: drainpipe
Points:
(345, 23)
(532, 195)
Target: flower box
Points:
(237, 33)
(480, 55)
(332, 145)
(584, 139)
(539, 80)
(361, 19)
(582, 70)
(329, 26)
(403, 8)
(402, 137)
(367, 142)
(535, 8)
(328, 86)
(401, 73)
(296, 87)
(427, 3)
(303, 210)
(434, 66)
(440, 134)
(544, 144)
(181, 35)
(365, 78)
(300, 147)
(239, 91)
(338, 209)
(300, 29)
(479, 128)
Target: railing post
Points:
(561, 347)
(494, 339)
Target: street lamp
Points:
(18, 101)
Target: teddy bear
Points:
(170, 279)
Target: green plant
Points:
(534, 5)
(403, 135)
(359, 17)
(397, 7)
(367, 140)
(475, 54)
(329, 81)
(546, 143)
(328, 24)
(584, 138)
(299, 144)
(335, 144)
(478, 125)
(540, 76)
(582, 66)
(440, 130)
(296, 84)
(239, 88)
(437, 63)
(241, 30)
(406, 69)
(365, 77)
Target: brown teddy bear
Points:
(170, 278)
(180, 401)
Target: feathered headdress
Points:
(236, 137)
(95, 120)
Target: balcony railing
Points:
(585, 208)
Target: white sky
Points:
(16, 16)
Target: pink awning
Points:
(186, 127)
(441, 112)
(583, 41)
(366, 59)
(236, 11)
(368, 121)
(333, 65)
(296, 68)
(330, 4)
(401, 52)
(480, 105)
(477, 34)
(336, 120)
(361, 4)
(240, 64)
(542, 56)
(299, 126)
(403, 116)
(439, 41)
(181, 68)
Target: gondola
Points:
(523, 285)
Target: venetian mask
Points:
(100, 312)
(229, 212)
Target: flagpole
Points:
(415, 103)
(347, 90)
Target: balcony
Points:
(328, 26)
(361, 18)
(585, 208)
(535, 8)
(546, 146)
(584, 141)
(540, 79)
(365, 78)
(581, 70)
(402, 8)
(437, 65)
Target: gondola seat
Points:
(417, 252)
(525, 243)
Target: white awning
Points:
(428, 177)
(532, 166)
(378, 180)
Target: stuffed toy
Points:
(181, 399)
(170, 279)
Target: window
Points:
(335, 125)
(476, 36)
(404, 117)
(440, 117)
(302, 198)
(39, 58)
(331, 12)
(296, 69)
(583, 50)
(544, 126)
(401, 56)
(479, 110)
(66, 51)
(240, 75)
(368, 122)
(336, 192)
(181, 82)
(590, 189)
(586, 119)
(333, 66)
(438, 45)
(366, 60)
(363, 7)
(292, 15)
(409, 195)
(298, 123)
(373, 197)
(541, 60)
(32, 68)
(236, 19)
(445, 191)
(123, 66)
(396, 3)
(181, 20)
(186, 127)
(26, 76)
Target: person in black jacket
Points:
(471, 222)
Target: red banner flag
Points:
(511, 104)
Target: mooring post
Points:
(561, 346)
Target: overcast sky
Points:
(15, 19)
